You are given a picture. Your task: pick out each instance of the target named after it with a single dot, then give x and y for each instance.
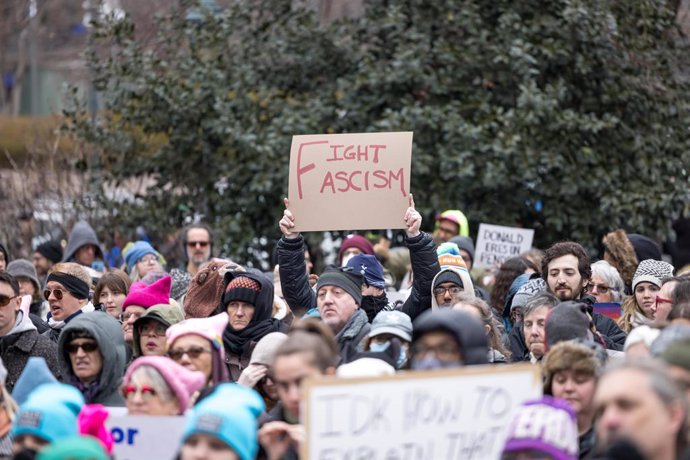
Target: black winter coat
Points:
(300, 297)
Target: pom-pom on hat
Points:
(143, 295)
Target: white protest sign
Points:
(350, 181)
(496, 243)
(145, 437)
(450, 414)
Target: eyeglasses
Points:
(193, 352)
(453, 290)
(4, 300)
(58, 293)
(88, 347)
(194, 244)
(600, 288)
(443, 352)
(148, 259)
(146, 391)
(152, 328)
(125, 316)
(662, 300)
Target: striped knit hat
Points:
(652, 271)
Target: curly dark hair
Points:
(511, 269)
(565, 248)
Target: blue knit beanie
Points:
(35, 374)
(138, 250)
(50, 413)
(230, 414)
(370, 268)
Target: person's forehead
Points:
(197, 234)
(82, 340)
(624, 383)
(6, 289)
(566, 261)
(437, 337)
(538, 313)
(448, 284)
(668, 288)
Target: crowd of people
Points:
(228, 346)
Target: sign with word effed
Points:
(462, 413)
(496, 244)
(350, 181)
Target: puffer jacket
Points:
(300, 296)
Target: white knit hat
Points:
(652, 271)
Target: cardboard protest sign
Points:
(496, 243)
(461, 413)
(145, 437)
(350, 181)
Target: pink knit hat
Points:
(142, 295)
(183, 382)
(209, 328)
(91, 421)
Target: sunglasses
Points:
(88, 347)
(194, 244)
(4, 300)
(193, 352)
(58, 293)
(150, 327)
(146, 391)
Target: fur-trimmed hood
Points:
(622, 251)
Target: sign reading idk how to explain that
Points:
(447, 414)
(350, 181)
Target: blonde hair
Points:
(9, 404)
(74, 269)
(630, 309)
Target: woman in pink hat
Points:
(156, 385)
(197, 344)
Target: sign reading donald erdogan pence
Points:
(350, 181)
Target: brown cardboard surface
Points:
(350, 181)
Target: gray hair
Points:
(543, 299)
(157, 382)
(662, 385)
(611, 277)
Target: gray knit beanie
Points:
(652, 271)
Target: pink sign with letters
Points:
(350, 181)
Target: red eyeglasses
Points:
(147, 392)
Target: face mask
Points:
(378, 347)
(402, 359)
(430, 363)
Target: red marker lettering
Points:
(335, 157)
(303, 170)
(328, 182)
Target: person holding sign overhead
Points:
(299, 295)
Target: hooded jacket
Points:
(300, 296)
(465, 328)
(240, 345)
(81, 235)
(464, 276)
(23, 342)
(170, 314)
(107, 332)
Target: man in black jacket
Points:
(294, 280)
(566, 270)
